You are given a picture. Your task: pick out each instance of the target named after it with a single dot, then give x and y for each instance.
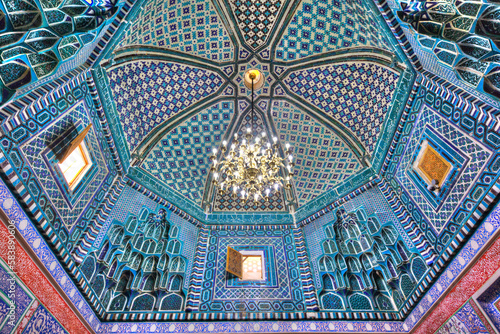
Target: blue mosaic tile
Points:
(280, 291)
(189, 26)
(256, 19)
(460, 142)
(357, 95)
(320, 26)
(69, 209)
(322, 159)
(149, 92)
(193, 140)
(43, 322)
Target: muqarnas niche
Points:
(463, 35)
(366, 266)
(36, 37)
(138, 268)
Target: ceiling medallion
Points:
(250, 168)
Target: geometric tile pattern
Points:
(322, 25)
(461, 142)
(180, 159)
(322, 159)
(357, 95)
(256, 19)
(149, 92)
(464, 321)
(228, 202)
(32, 150)
(190, 26)
(221, 292)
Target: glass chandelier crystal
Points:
(250, 166)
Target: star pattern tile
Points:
(190, 26)
(256, 19)
(149, 92)
(357, 95)
(322, 159)
(181, 158)
(319, 26)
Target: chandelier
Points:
(250, 166)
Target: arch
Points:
(388, 236)
(88, 267)
(116, 235)
(174, 231)
(160, 247)
(326, 264)
(361, 214)
(353, 264)
(98, 285)
(403, 252)
(138, 242)
(355, 283)
(340, 262)
(339, 280)
(395, 257)
(406, 285)
(172, 302)
(329, 282)
(148, 283)
(378, 281)
(392, 269)
(150, 230)
(136, 261)
(163, 262)
(112, 269)
(131, 224)
(174, 247)
(373, 225)
(367, 264)
(149, 264)
(175, 283)
(145, 246)
(118, 303)
(418, 268)
(126, 254)
(332, 301)
(330, 233)
(152, 247)
(124, 282)
(177, 265)
(384, 303)
(143, 302)
(104, 251)
(107, 298)
(329, 247)
(378, 253)
(380, 244)
(364, 243)
(360, 302)
(158, 233)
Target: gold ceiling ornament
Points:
(250, 168)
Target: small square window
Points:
(76, 165)
(431, 165)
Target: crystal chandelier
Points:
(250, 166)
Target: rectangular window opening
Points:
(76, 165)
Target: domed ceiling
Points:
(334, 87)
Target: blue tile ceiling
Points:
(358, 95)
(198, 48)
(255, 19)
(189, 26)
(181, 157)
(322, 159)
(149, 92)
(319, 26)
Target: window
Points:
(246, 265)
(76, 165)
(431, 165)
(252, 267)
